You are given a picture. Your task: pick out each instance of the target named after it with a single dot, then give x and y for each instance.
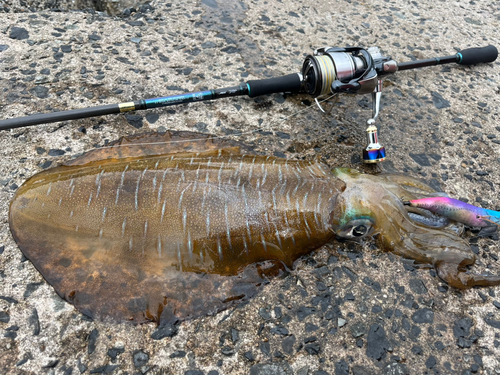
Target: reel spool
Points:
(340, 70)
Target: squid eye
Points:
(359, 230)
(356, 229)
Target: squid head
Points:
(373, 206)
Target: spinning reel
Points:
(352, 71)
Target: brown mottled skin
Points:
(143, 233)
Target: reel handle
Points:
(471, 56)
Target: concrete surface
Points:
(346, 309)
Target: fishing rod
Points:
(329, 70)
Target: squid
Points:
(165, 227)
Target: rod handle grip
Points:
(471, 56)
(288, 83)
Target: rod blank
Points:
(74, 114)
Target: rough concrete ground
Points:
(346, 309)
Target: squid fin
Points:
(154, 144)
